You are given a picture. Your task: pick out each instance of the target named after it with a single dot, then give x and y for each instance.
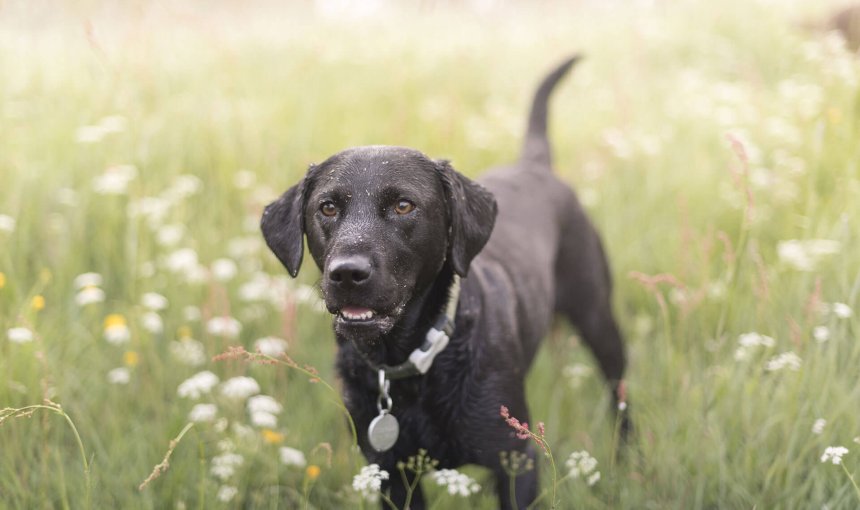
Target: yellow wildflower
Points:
(38, 302)
(272, 437)
(834, 115)
(114, 320)
(312, 472)
(131, 359)
(184, 332)
(2, 280)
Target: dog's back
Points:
(546, 248)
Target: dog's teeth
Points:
(368, 314)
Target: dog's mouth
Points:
(356, 315)
(362, 324)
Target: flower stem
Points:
(56, 408)
(853, 482)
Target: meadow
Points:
(715, 145)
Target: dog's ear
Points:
(283, 226)
(471, 213)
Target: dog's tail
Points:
(536, 149)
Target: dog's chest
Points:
(428, 419)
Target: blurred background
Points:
(713, 143)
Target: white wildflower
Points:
(755, 339)
(256, 289)
(747, 342)
(787, 360)
(224, 465)
(89, 295)
(151, 322)
(821, 334)
(263, 419)
(240, 387)
(806, 255)
(582, 464)
(188, 352)
(227, 327)
(244, 179)
(458, 484)
(818, 426)
(292, 457)
(117, 332)
(115, 180)
(182, 261)
(841, 310)
(88, 280)
(119, 375)
(369, 481)
(191, 313)
(183, 187)
(19, 335)
(153, 301)
(169, 235)
(198, 384)
(7, 223)
(153, 209)
(203, 413)
(224, 269)
(271, 346)
(834, 454)
(226, 493)
(264, 404)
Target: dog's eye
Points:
(328, 209)
(404, 207)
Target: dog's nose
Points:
(349, 271)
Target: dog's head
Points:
(381, 222)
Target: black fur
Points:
(525, 250)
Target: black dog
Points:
(393, 232)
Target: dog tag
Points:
(383, 431)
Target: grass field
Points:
(714, 143)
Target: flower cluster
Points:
(582, 464)
(89, 289)
(19, 335)
(368, 482)
(748, 342)
(458, 484)
(834, 454)
(786, 360)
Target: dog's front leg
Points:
(399, 491)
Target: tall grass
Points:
(701, 136)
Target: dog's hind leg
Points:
(583, 295)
